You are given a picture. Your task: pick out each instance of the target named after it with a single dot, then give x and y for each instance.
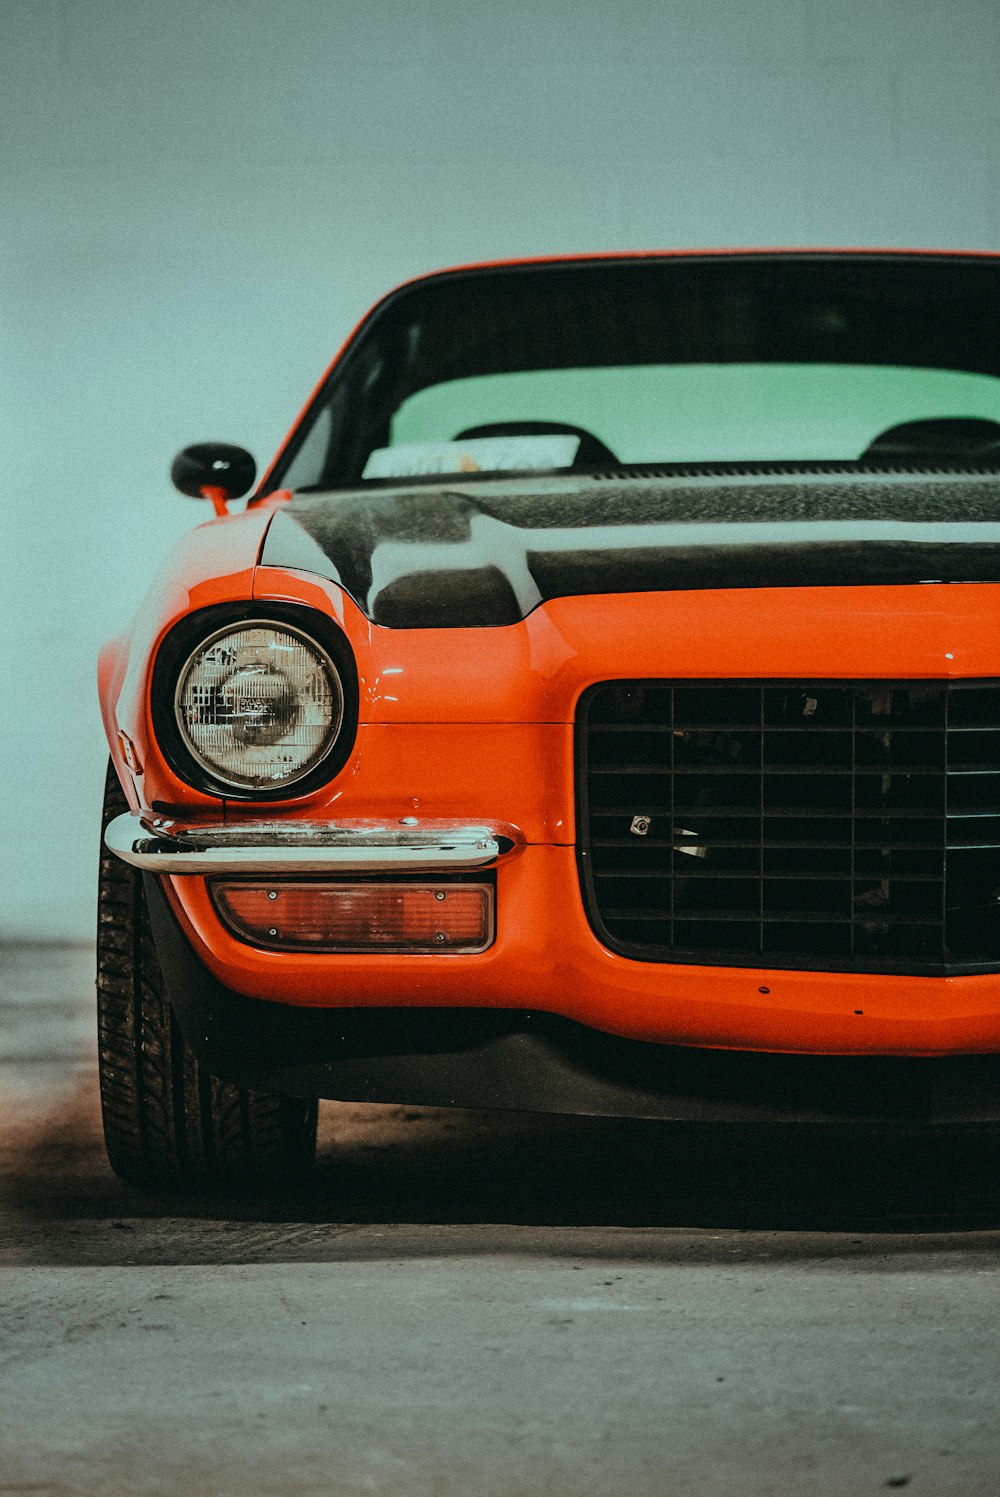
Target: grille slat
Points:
(838, 825)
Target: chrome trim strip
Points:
(160, 845)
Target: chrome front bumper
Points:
(160, 845)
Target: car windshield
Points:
(605, 364)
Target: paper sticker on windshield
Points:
(481, 455)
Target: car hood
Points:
(486, 553)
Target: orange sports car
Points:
(595, 708)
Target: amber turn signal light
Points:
(317, 916)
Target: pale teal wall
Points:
(198, 199)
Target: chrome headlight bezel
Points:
(198, 631)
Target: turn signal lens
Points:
(359, 917)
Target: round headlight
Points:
(259, 705)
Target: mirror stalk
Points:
(219, 496)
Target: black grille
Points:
(845, 827)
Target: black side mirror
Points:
(213, 470)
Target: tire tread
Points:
(169, 1122)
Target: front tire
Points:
(168, 1121)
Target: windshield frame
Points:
(358, 341)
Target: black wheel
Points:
(167, 1121)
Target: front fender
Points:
(214, 563)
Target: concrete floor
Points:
(476, 1304)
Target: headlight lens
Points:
(259, 705)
